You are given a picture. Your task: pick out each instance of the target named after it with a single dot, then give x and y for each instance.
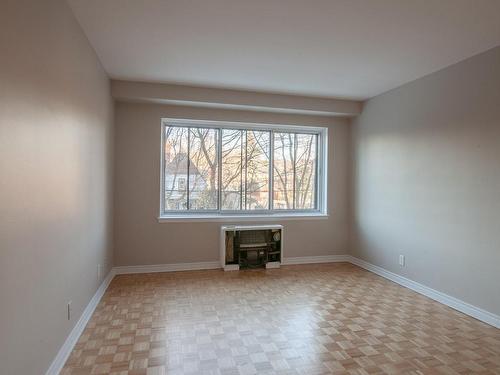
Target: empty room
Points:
(230, 187)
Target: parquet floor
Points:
(310, 319)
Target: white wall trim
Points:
(63, 354)
(172, 267)
(445, 299)
(121, 270)
(240, 218)
(316, 259)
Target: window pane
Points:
(232, 166)
(257, 170)
(284, 159)
(175, 164)
(203, 169)
(305, 171)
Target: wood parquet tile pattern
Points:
(310, 319)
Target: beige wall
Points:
(426, 180)
(55, 180)
(140, 239)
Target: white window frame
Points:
(241, 215)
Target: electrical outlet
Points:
(69, 310)
(402, 260)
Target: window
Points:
(219, 168)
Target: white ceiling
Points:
(348, 49)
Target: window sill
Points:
(239, 218)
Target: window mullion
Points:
(188, 166)
(246, 169)
(241, 172)
(219, 170)
(318, 177)
(163, 196)
(294, 169)
(271, 170)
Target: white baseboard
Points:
(120, 270)
(271, 265)
(445, 299)
(316, 259)
(171, 267)
(63, 354)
